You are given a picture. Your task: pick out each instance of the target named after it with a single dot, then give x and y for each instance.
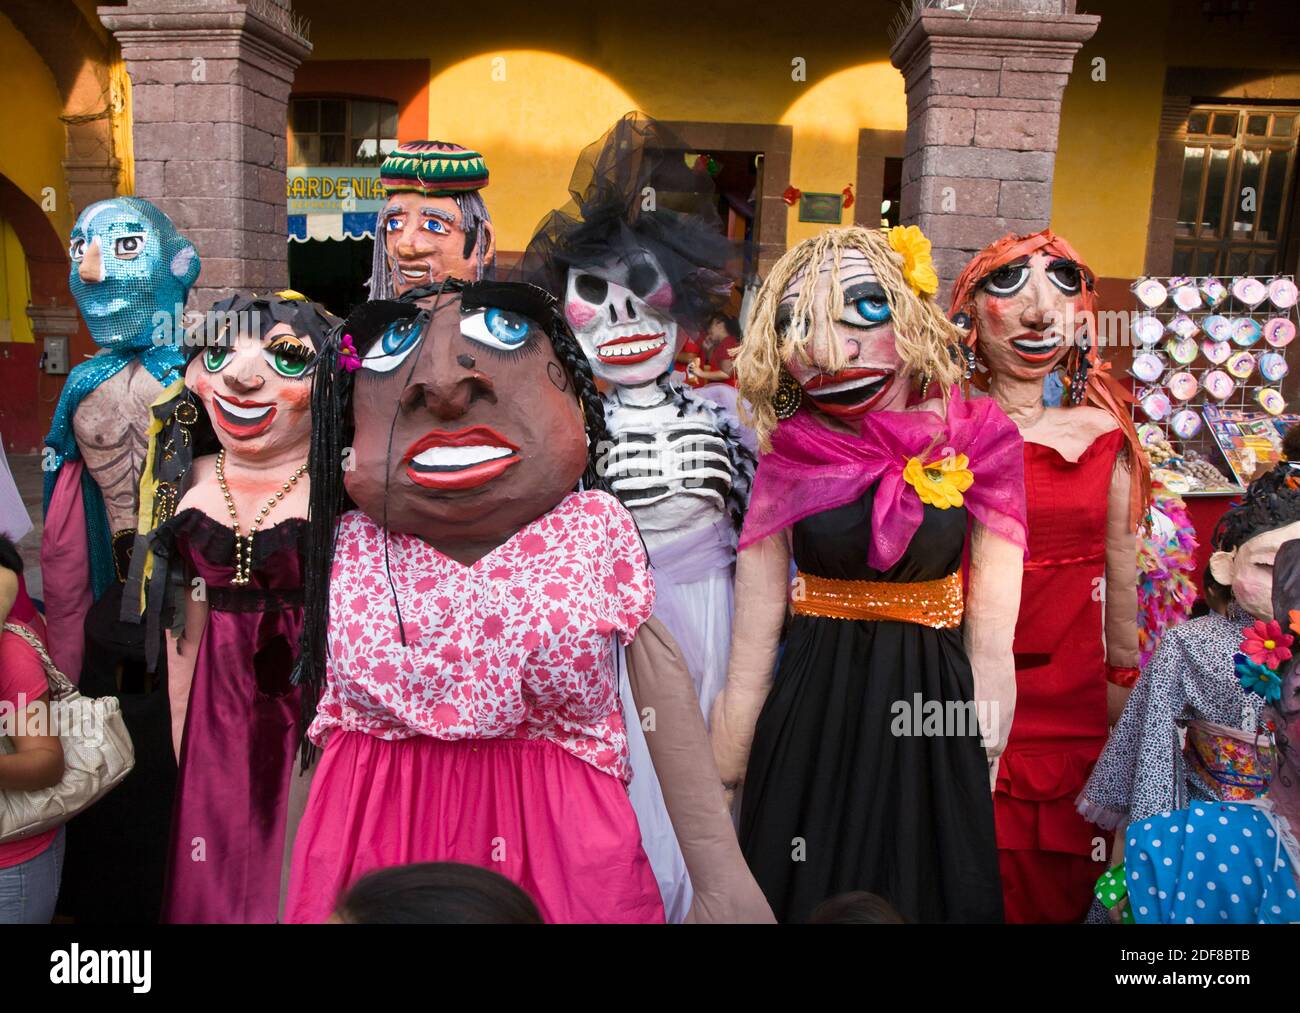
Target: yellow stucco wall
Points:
(1105, 162)
(569, 74)
(15, 287)
(32, 152)
(561, 78)
(31, 157)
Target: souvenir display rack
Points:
(1174, 330)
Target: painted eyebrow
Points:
(445, 216)
(133, 226)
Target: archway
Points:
(30, 395)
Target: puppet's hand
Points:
(1116, 698)
(729, 754)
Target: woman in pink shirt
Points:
(29, 868)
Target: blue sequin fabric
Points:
(131, 274)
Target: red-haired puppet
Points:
(1031, 304)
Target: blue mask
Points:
(131, 272)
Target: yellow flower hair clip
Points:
(918, 266)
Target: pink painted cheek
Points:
(662, 297)
(1253, 590)
(579, 314)
(880, 349)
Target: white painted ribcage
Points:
(682, 458)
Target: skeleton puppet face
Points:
(873, 376)
(621, 312)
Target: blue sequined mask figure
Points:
(131, 272)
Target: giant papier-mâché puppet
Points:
(131, 273)
(1030, 302)
(875, 476)
(638, 259)
(467, 580)
(1186, 777)
(224, 527)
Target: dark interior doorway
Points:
(332, 272)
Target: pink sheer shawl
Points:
(812, 468)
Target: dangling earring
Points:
(1079, 378)
(925, 384)
(788, 396)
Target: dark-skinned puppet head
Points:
(636, 255)
(458, 414)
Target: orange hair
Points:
(1102, 390)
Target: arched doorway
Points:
(29, 394)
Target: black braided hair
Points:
(333, 430)
(1270, 503)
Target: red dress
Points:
(1045, 848)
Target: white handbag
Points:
(97, 755)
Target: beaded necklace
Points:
(244, 543)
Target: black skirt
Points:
(853, 782)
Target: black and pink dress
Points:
(494, 736)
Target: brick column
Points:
(983, 110)
(210, 91)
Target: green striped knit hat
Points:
(436, 168)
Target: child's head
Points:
(856, 908)
(435, 893)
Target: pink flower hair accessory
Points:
(348, 357)
(1265, 644)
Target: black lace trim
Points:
(216, 542)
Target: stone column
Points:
(210, 91)
(983, 111)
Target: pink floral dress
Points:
(494, 736)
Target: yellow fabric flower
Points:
(940, 483)
(918, 266)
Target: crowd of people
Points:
(467, 608)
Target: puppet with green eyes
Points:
(224, 508)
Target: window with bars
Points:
(341, 131)
(1235, 199)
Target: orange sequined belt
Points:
(934, 603)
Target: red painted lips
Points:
(463, 459)
(609, 351)
(243, 419)
(850, 392)
(1030, 347)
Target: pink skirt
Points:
(558, 827)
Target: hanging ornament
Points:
(714, 166)
(848, 196)
(791, 195)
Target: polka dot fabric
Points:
(517, 645)
(1210, 864)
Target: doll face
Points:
(1249, 570)
(621, 312)
(256, 391)
(485, 429)
(1022, 310)
(874, 376)
(426, 242)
